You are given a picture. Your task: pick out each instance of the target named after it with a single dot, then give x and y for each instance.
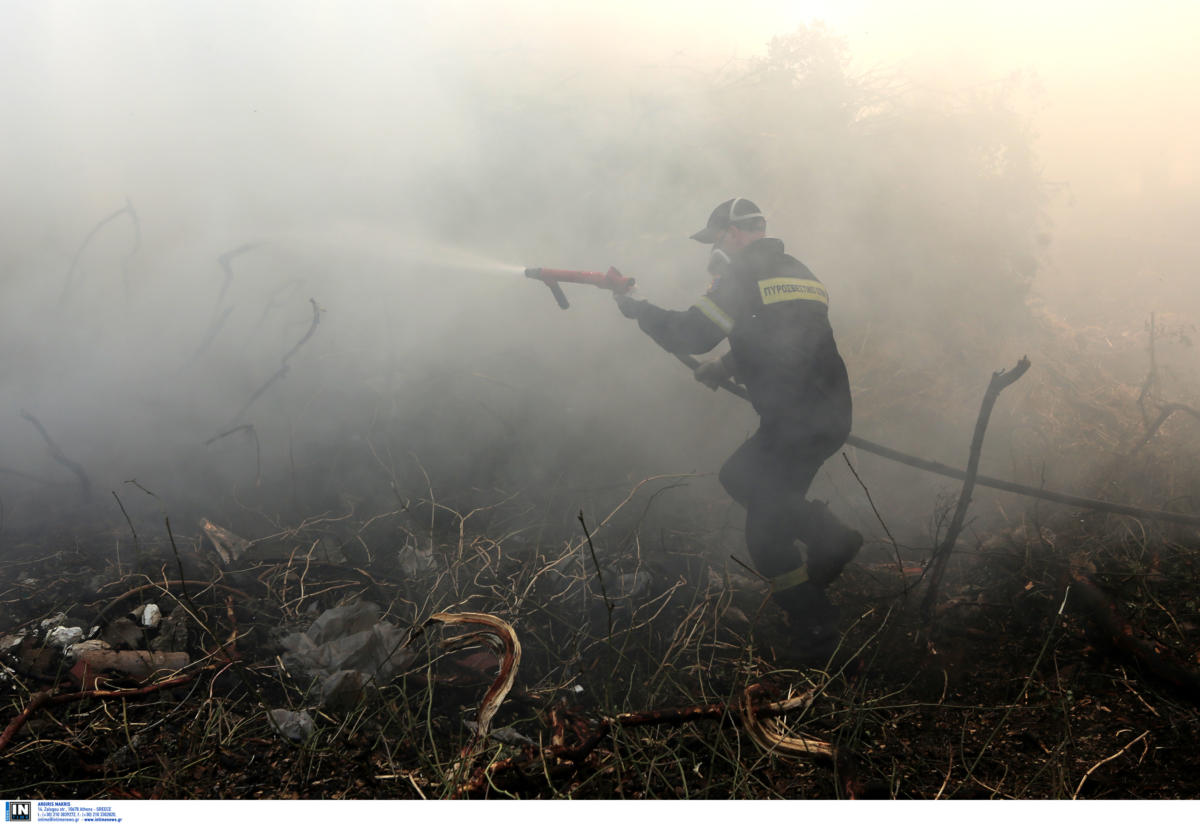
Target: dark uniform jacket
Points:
(776, 315)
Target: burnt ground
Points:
(1059, 664)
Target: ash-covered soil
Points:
(1017, 689)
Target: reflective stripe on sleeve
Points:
(787, 580)
(715, 313)
(775, 290)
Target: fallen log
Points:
(140, 665)
(1156, 659)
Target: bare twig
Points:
(599, 575)
(136, 549)
(248, 428)
(1104, 761)
(1000, 380)
(35, 703)
(1166, 411)
(744, 712)
(1024, 687)
(226, 259)
(283, 369)
(127, 209)
(45, 697)
(214, 328)
(57, 454)
(878, 517)
(1149, 384)
(220, 317)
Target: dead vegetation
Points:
(623, 656)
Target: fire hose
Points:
(982, 480)
(618, 283)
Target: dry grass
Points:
(1013, 695)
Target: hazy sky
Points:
(1118, 79)
(104, 99)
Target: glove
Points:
(630, 307)
(713, 373)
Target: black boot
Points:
(831, 544)
(814, 623)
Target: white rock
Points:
(151, 615)
(64, 636)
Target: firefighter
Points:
(775, 314)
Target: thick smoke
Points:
(385, 176)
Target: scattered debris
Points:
(123, 633)
(346, 649)
(58, 619)
(414, 561)
(229, 547)
(297, 727)
(64, 636)
(505, 735)
(172, 633)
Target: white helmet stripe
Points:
(733, 205)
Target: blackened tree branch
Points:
(57, 454)
(137, 243)
(283, 369)
(1000, 381)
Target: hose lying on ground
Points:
(983, 480)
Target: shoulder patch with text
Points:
(775, 290)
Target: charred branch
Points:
(127, 209)
(249, 429)
(560, 760)
(214, 329)
(1153, 657)
(283, 368)
(226, 261)
(999, 382)
(85, 486)
(1166, 410)
(221, 317)
(47, 697)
